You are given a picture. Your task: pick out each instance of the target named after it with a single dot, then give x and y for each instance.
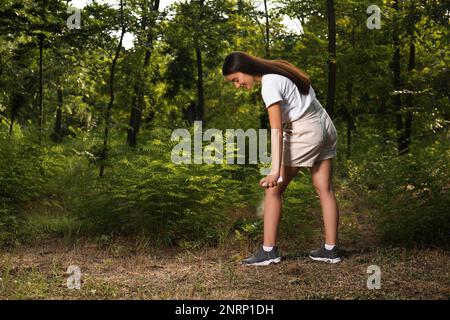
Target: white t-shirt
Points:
(275, 87)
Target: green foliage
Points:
(410, 192)
(21, 171)
(245, 229)
(22, 179)
(298, 224)
(11, 225)
(54, 189)
(146, 193)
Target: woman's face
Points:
(241, 80)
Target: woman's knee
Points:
(324, 189)
(275, 191)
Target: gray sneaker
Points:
(322, 254)
(263, 258)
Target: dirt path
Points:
(120, 272)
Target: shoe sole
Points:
(264, 263)
(328, 260)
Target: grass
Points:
(38, 272)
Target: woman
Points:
(308, 139)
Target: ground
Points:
(121, 272)
(135, 269)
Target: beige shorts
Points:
(310, 138)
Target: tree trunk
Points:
(264, 118)
(104, 155)
(397, 80)
(349, 118)
(56, 136)
(11, 125)
(138, 100)
(18, 100)
(239, 7)
(41, 94)
(266, 14)
(201, 101)
(409, 97)
(189, 113)
(41, 81)
(331, 58)
(198, 55)
(135, 117)
(409, 101)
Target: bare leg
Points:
(273, 205)
(321, 174)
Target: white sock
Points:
(268, 249)
(329, 246)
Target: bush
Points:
(21, 172)
(144, 192)
(410, 191)
(12, 225)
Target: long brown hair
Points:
(239, 61)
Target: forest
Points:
(91, 95)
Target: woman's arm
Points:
(276, 139)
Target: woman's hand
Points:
(270, 181)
